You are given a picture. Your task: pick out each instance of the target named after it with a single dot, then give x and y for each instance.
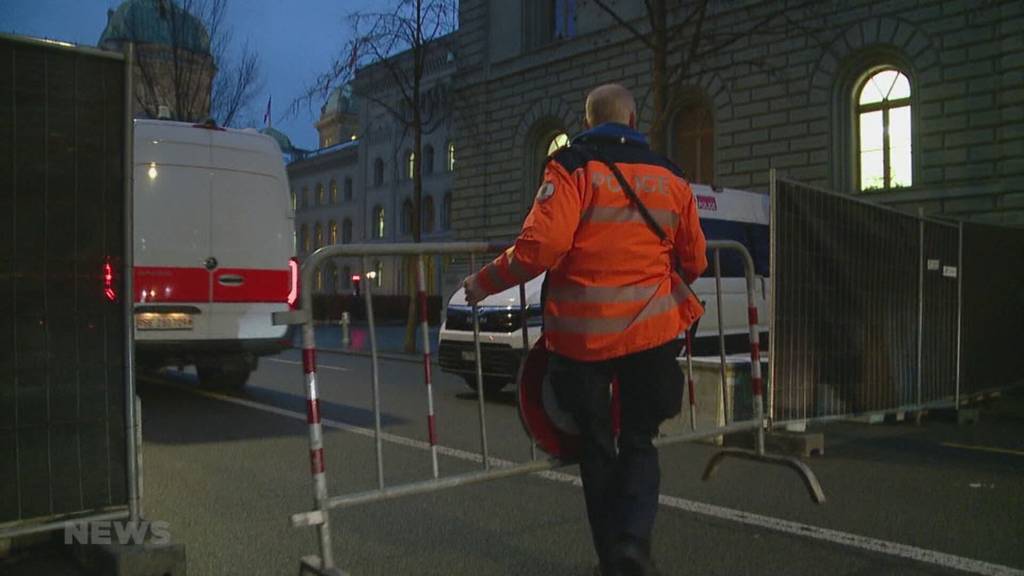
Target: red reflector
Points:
(293, 282)
(355, 277)
(108, 282)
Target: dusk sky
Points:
(295, 39)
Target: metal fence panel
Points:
(993, 314)
(939, 311)
(63, 121)
(847, 306)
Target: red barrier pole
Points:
(421, 294)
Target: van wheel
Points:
(492, 385)
(224, 373)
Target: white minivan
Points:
(213, 248)
(725, 214)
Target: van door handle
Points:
(231, 280)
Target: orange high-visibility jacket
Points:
(611, 288)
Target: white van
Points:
(214, 249)
(725, 214)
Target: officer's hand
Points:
(474, 293)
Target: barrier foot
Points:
(311, 565)
(810, 480)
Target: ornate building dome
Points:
(154, 22)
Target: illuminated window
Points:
(559, 141)
(294, 201)
(318, 280)
(334, 191)
(451, 157)
(321, 198)
(427, 225)
(378, 222)
(428, 159)
(318, 233)
(378, 172)
(407, 217)
(411, 162)
(348, 189)
(346, 231)
(332, 232)
(378, 270)
(884, 151)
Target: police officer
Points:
(616, 301)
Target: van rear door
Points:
(250, 236)
(172, 232)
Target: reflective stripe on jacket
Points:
(611, 288)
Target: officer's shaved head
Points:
(611, 103)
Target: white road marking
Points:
(896, 549)
(319, 367)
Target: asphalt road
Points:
(227, 471)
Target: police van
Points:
(213, 249)
(725, 214)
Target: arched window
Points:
(332, 277)
(321, 199)
(378, 222)
(450, 164)
(348, 189)
(446, 211)
(407, 217)
(410, 160)
(318, 234)
(294, 200)
(427, 225)
(428, 159)
(694, 143)
(304, 239)
(545, 139)
(378, 172)
(883, 128)
(334, 191)
(557, 142)
(332, 232)
(346, 231)
(305, 197)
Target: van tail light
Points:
(293, 283)
(108, 281)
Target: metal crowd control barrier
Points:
(324, 563)
(68, 419)
(866, 307)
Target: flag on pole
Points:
(266, 115)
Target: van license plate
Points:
(469, 356)
(158, 321)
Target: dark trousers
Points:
(620, 479)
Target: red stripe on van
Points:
(257, 285)
(171, 284)
(177, 285)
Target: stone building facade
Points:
(792, 96)
(358, 187)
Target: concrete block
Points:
(708, 405)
